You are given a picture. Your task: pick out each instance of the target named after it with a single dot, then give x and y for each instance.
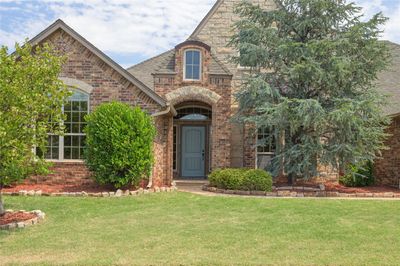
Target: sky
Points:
(130, 31)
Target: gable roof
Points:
(165, 64)
(59, 24)
(204, 21)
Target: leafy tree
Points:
(31, 96)
(313, 64)
(119, 147)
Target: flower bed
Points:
(20, 219)
(300, 191)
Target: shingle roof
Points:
(165, 64)
(389, 81)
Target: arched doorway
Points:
(191, 140)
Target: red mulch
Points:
(331, 186)
(15, 217)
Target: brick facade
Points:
(216, 31)
(108, 85)
(214, 90)
(387, 169)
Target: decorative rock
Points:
(163, 189)
(140, 191)
(332, 194)
(112, 194)
(157, 189)
(146, 191)
(118, 193)
(84, 194)
(168, 189)
(388, 194)
(293, 194)
(322, 186)
(134, 192)
(31, 193)
(23, 192)
(257, 193)
(285, 188)
(126, 192)
(105, 194)
(38, 193)
(283, 193)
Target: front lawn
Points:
(186, 229)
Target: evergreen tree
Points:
(312, 71)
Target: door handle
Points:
(202, 154)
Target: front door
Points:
(193, 151)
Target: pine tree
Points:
(313, 66)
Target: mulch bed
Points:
(15, 217)
(336, 187)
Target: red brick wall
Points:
(69, 173)
(387, 169)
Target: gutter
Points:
(169, 109)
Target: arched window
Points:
(192, 65)
(193, 113)
(70, 146)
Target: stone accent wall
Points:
(214, 90)
(217, 32)
(387, 169)
(108, 85)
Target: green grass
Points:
(186, 229)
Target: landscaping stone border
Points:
(39, 216)
(300, 194)
(118, 193)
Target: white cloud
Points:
(145, 27)
(119, 26)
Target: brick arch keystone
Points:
(193, 93)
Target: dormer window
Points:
(192, 69)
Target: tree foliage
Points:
(31, 95)
(313, 65)
(119, 141)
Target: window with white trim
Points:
(192, 66)
(266, 146)
(71, 145)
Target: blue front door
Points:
(193, 151)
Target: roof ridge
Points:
(151, 58)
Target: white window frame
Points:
(260, 153)
(200, 64)
(61, 138)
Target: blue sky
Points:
(130, 31)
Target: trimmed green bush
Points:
(119, 144)
(257, 179)
(241, 179)
(358, 176)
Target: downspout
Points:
(164, 112)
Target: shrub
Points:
(358, 176)
(257, 179)
(241, 179)
(119, 144)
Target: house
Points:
(189, 92)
